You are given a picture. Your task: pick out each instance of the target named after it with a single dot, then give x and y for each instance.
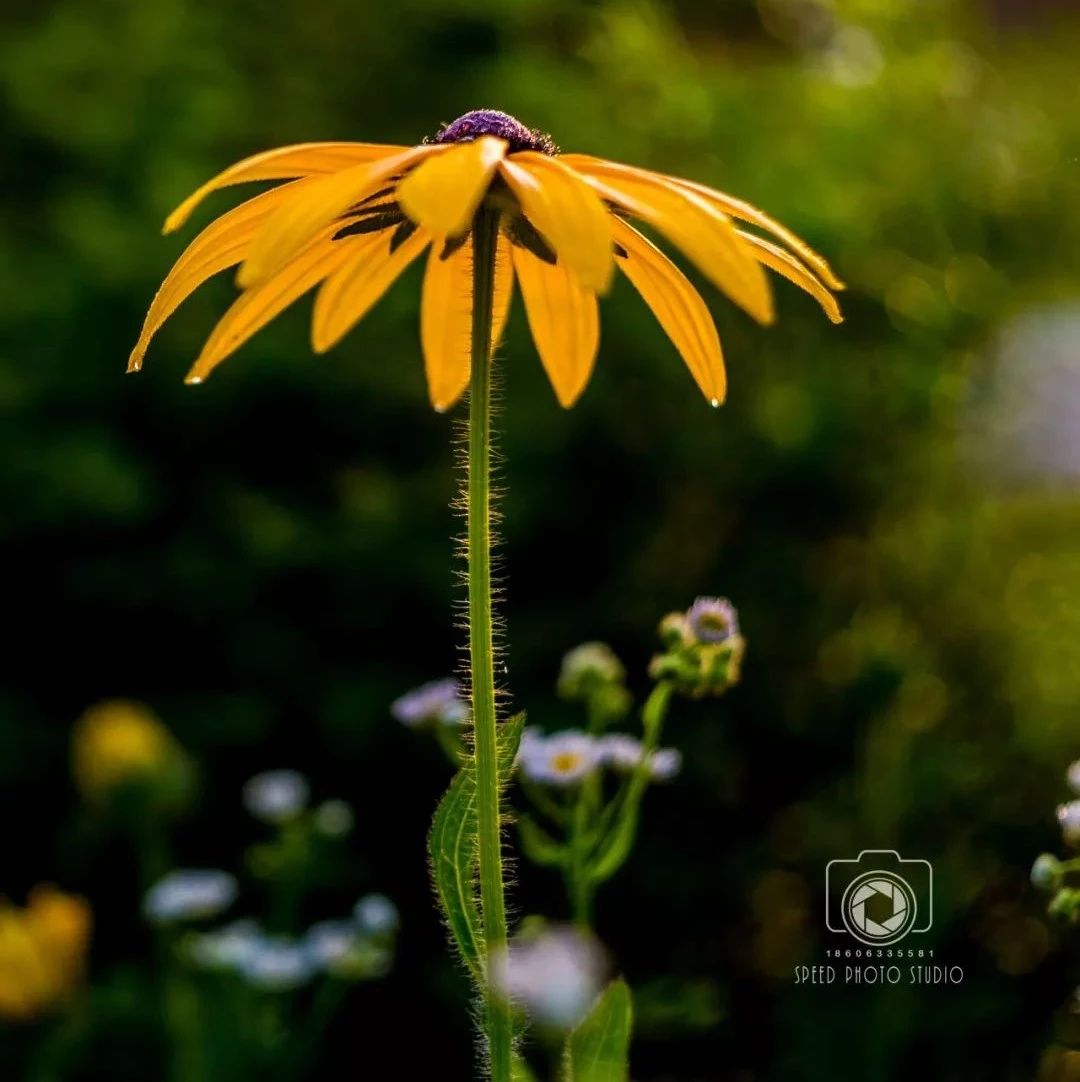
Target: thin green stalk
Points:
(580, 888)
(498, 1020)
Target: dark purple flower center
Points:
(491, 122)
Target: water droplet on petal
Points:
(714, 402)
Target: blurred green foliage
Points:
(266, 559)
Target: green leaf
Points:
(539, 846)
(597, 1050)
(509, 736)
(452, 849)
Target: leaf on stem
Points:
(452, 848)
(597, 1049)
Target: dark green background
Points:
(266, 559)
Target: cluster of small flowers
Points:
(281, 796)
(1050, 874)
(431, 705)
(703, 649)
(568, 757)
(361, 948)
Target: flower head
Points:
(1046, 872)
(624, 753)
(554, 974)
(330, 942)
(436, 703)
(702, 648)
(564, 758)
(278, 964)
(42, 951)
(587, 667)
(1068, 816)
(118, 743)
(351, 217)
(226, 948)
(712, 619)
(189, 894)
(342, 948)
(499, 124)
(276, 796)
(376, 915)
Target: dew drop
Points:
(714, 402)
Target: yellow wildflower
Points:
(353, 216)
(42, 951)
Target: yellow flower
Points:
(353, 216)
(116, 742)
(42, 951)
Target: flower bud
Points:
(704, 649)
(1046, 872)
(588, 669)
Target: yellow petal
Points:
(299, 160)
(747, 213)
(737, 208)
(678, 308)
(446, 318)
(350, 292)
(258, 305)
(296, 221)
(786, 264)
(705, 234)
(222, 244)
(442, 194)
(563, 320)
(571, 218)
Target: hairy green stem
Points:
(497, 1016)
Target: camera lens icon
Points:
(879, 907)
(879, 898)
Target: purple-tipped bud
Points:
(712, 620)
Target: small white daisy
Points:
(623, 753)
(278, 965)
(555, 975)
(375, 914)
(189, 894)
(564, 758)
(276, 796)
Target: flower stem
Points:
(498, 1020)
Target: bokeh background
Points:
(265, 560)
